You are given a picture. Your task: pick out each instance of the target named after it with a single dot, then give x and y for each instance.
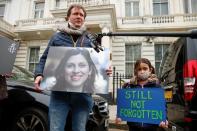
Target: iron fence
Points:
(118, 80)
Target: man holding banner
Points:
(141, 103)
(73, 34)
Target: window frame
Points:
(132, 14)
(57, 3)
(29, 57)
(40, 11)
(129, 72)
(160, 11)
(3, 13)
(188, 8)
(163, 53)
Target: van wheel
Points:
(30, 119)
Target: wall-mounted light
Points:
(149, 39)
(38, 32)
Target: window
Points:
(133, 52)
(39, 10)
(186, 6)
(131, 8)
(57, 4)
(160, 7)
(159, 53)
(2, 9)
(33, 58)
(190, 6)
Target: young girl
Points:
(143, 77)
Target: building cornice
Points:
(6, 29)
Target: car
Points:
(178, 75)
(26, 109)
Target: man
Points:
(73, 35)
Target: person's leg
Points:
(81, 106)
(58, 111)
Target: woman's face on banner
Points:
(77, 71)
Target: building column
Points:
(107, 43)
(52, 4)
(105, 28)
(148, 50)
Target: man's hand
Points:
(118, 121)
(37, 82)
(109, 71)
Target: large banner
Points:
(145, 105)
(8, 50)
(76, 70)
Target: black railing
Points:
(118, 81)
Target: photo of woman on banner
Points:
(76, 71)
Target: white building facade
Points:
(33, 22)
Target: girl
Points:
(143, 77)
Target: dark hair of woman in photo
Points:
(76, 70)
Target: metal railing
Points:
(118, 81)
(160, 19)
(152, 21)
(39, 22)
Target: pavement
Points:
(112, 117)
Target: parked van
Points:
(178, 74)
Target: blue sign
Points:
(145, 105)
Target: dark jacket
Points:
(147, 85)
(60, 39)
